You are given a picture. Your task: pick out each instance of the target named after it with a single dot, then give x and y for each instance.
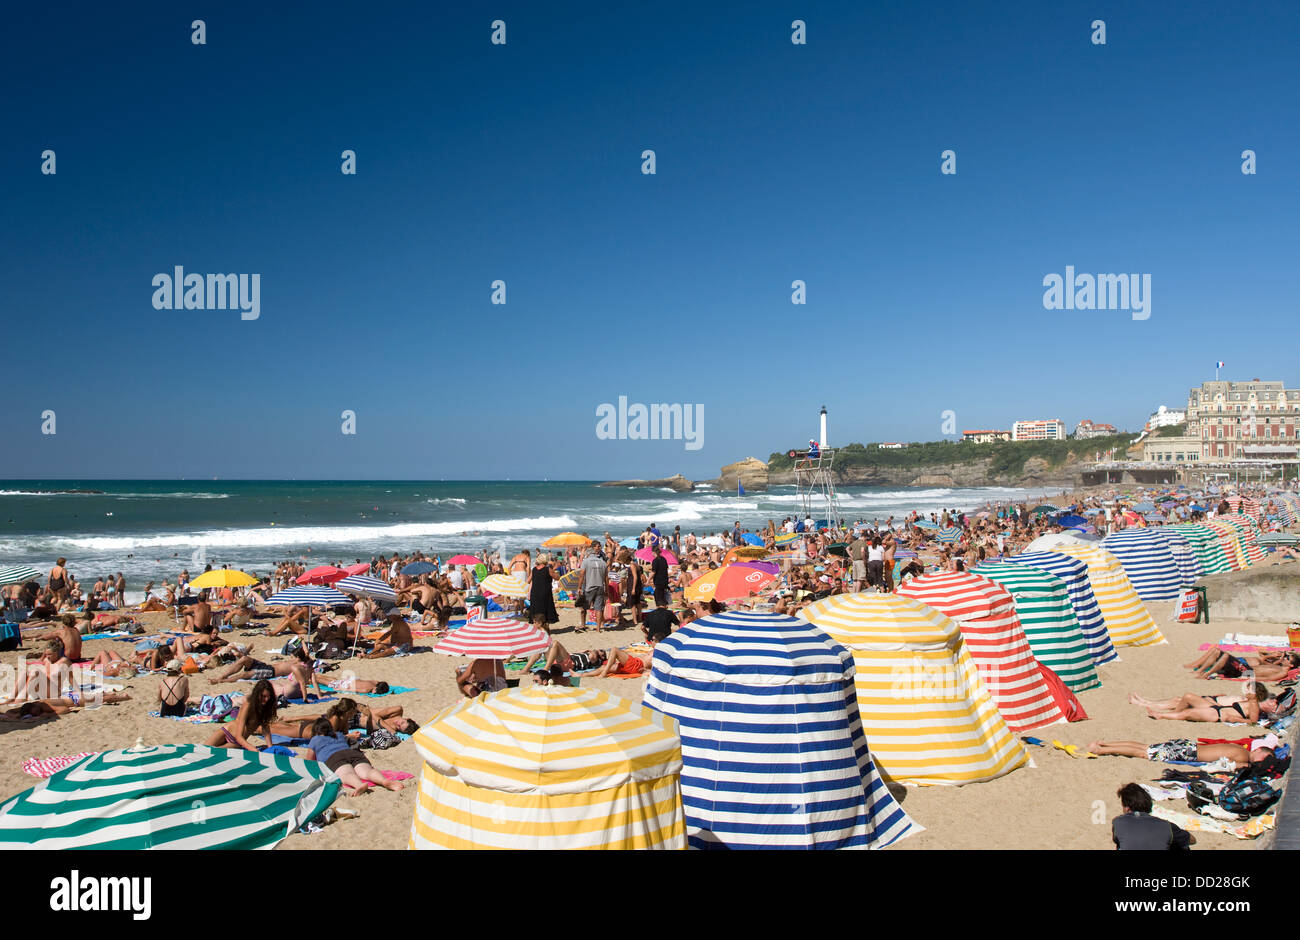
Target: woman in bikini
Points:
(1266, 667)
(255, 716)
(1229, 709)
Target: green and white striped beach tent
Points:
(171, 796)
(1205, 543)
(1043, 606)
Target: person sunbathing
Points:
(1185, 751)
(1266, 667)
(1229, 709)
(482, 675)
(295, 621)
(396, 640)
(41, 708)
(353, 684)
(336, 751)
(111, 664)
(173, 691)
(198, 619)
(254, 715)
(200, 642)
(291, 679)
(623, 663)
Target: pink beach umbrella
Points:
(647, 554)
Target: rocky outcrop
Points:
(751, 473)
(676, 482)
(1263, 593)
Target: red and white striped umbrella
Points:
(494, 638)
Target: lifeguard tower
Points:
(815, 482)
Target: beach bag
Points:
(381, 739)
(216, 707)
(1188, 607)
(1247, 794)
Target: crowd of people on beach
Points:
(643, 581)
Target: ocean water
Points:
(152, 529)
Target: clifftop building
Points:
(1050, 430)
(1164, 417)
(1229, 416)
(1086, 429)
(985, 437)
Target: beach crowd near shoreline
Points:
(219, 659)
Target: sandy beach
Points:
(1061, 803)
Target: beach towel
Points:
(1193, 823)
(49, 766)
(392, 690)
(192, 719)
(112, 635)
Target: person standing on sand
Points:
(541, 596)
(659, 576)
(594, 576)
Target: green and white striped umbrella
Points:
(172, 796)
(17, 574)
(1043, 604)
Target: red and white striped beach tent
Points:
(1248, 529)
(986, 613)
(1229, 537)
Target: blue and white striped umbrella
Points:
(949, 534)
(1147, 561)
(307, 595)
(367, 587)
(772, 746)
(1074, 572)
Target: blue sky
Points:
(521, 162)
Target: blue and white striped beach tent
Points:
(773, 752)
(1074, 572)
(1189, 566)
(1148, 562)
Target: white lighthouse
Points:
(823, 440)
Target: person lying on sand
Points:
(254, 715)
(1229, 709)
(201, 642)
(42, 708)
(291, 678)
(623, 663)
(111, 664)
(336, 751)
(1181, 749)
(1266, 667)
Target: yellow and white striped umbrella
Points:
(507, 585)
(1127, 619)
(548, 767)
(928, 717)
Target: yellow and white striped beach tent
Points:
(549, 767)
(1127, 619)
(928, 718)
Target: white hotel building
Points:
(1052, 430)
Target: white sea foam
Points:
(306, 535)
(447, 499)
